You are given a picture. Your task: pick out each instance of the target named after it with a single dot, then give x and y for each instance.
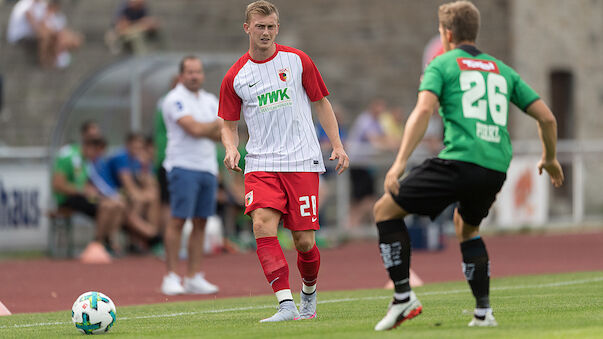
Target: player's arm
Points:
(413, 133)
(327, 119)
(230, 140)
(198, 129)
(547, 131)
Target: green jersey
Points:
(71, 164)
(474, 90)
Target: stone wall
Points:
(548, 35)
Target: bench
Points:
(61, 242)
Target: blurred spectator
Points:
(160, 140)
(191, 118)
(72, 189)
(392, 123)
(132, 28)
(63, 39)
(366, 140)
(105, 189)
(26, 26)
(130, 169)
(43, 23)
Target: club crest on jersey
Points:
(466, 64)
(283, 73)
(248, 198)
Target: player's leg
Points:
(265, 202)
(479, 187)
(302, 219)
(308, 264)
(272, 259)
(395, 249)
(427, 190)
(205, 207)
(476, 267)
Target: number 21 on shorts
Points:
(307, 203)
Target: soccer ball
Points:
(93, 313)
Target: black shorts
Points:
(80, 203)
(164, 193)
(436, 183)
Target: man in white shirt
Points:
(273, 85)
(190, 115)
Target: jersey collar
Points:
(278, 47)
(470, 49)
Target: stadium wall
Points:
(556, 35)
(363, 49)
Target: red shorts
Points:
(295, 194)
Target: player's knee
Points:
(262, 229)
(304, 245)
(377, 208)
(386, 209)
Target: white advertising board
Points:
(24, 198)
(524, 198)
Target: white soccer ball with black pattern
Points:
(93, 313)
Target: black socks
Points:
(476, 267)
(394, 245)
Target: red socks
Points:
(308, 264)
(273, 263)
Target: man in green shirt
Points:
(73, 191)
(473, 91)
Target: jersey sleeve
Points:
(62, 165)
(312, 80)
(229, 107)
(522, 94)
(432, 79)
(175, 108)
(118, 163)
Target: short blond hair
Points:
(461, 18)
(260, 7)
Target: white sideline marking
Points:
(236, 309)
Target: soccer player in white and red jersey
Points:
(274, 86)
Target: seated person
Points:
(130, 169)
(63, 39)
(74, 192)
(132, 28)
(26, 25)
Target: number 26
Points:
(474, 87)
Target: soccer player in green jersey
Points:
(473, 91)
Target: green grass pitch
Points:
(543, 306)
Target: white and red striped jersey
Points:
(275, 97)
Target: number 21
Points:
(303, 208)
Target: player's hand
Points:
(553, 168)
(343, 160)
(391, 183)
(231, 160)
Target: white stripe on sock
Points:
(283, 295)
